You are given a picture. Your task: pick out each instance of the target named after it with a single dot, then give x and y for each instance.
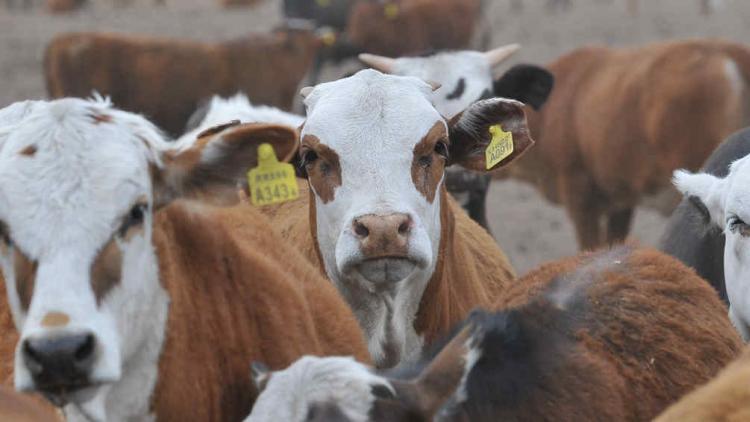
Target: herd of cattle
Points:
(140, 283)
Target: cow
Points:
(377, 218)
(465, 77)
(613, 335)
(17, 407)
(166, 79)
(331, 13)
(725, 398)
(131, 301)
(724, 200)
(619, 121)
(690, 236)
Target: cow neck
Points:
(471, 272)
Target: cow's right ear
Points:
(216, 163)
(470, 133)
(706, 189)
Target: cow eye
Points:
(441, 149)
(135, 217)
(308, 157)
(736, 225)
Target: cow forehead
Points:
(73, 166)
(370, 112)
(449, 66)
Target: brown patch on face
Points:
(100, 118)
(106, 270)
(428, 166)
(55, 319)
(25, 272)
(28, 151)
(325, 172)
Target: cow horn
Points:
(500, 54)
(306, 91)
(381, 63)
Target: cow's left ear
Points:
(470, 133)
(216, 163)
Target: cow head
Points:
(467, 76)
(80, 183)
(727, 202)
(375, 148)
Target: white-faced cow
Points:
(727, 201)
(465, 77)
(129, 304)
(406, 258)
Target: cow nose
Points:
(60, 361)
(383, 235)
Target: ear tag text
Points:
(499, 148)
(391, 10)
(271, 182)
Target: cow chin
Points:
(385, 272)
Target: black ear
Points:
(526, 83)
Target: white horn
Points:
(500, 54)
(381, 63)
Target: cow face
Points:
(79, 185)
(727, 202)
(374, 148)
(464, 76)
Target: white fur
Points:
(447, 69)
(373, 121)
(311, 380)
(62, 205)
(726, 199)
(223, 110)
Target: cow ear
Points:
(216, 163)
(470, 133)
(260, 374)
(705, 189)
(528, 84)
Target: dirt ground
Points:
(529, 229)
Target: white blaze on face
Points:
(71, 174)
(464, 77)
(728, 202)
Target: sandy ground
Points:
(529, 229)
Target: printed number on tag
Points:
(499, 148)
(271, 182)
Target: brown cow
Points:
(131, 303)
(615, 335)
(166, 79)
(377, 218)
(619, 121)
(725, 399)
(17, 407)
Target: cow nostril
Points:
(404, 228)
(86, 349)
(361, 230)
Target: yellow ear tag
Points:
(329, 38)
(271, 182)
(391, 10)
(499, 148)
(323, 3)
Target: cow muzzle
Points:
(384, 247)
(60, 364)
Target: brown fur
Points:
(63, 6)
(471, 270)
(166, 79)
(106, 270)
(426, 176)
(725, 399)
(663, 336)
(325, 173)
(17, 407)
(419, 25)
(25, 271)
(619, 121)
(238, 293)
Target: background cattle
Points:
(143, 304)
(167, 79)
(465, 77)
(619, 121)
(690, 236)
(725, 398)
(614, 335)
